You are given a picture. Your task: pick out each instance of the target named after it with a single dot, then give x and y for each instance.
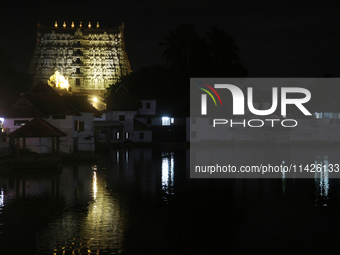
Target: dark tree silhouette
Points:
(182, 47)
(186, 55)
(12, 82)
(222, 55)
(214, 55)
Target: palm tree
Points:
(182, 48)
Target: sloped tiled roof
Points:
(37, 128)
(22, 109)
(51, 104)
(81, 103)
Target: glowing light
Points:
(94, 185)
(81, 24)
(95, 99)
(97, 24)
(72, 25)
(2, 198)
(58, 81)
(89, 25)
(168, 173)
(64, 25)
(56, 24)
(165, 121)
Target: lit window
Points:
(127, 135)
(172, 120)
(165, 121)
(117, 135)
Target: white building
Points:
(72, 115)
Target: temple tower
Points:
(90, 57)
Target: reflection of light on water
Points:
(94, 185)
(322, 181)
(127, 157)
(2, 198)
(283, 180)
(168, 172)
(104, 219)
(100, 229)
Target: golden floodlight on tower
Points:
(56, 24)
(58, 81)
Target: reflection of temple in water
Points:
(85, 214)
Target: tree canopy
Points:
(12, 82)
(187, 54)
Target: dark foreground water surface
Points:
(142, 201)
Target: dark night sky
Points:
(276, 38)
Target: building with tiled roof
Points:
(73, 115)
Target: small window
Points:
(172, 120)
(148, 121)
(20, 122)
(165, 121)
(118, 135)
(78, 60)
(77, 70)
(127, 135)
(78, 43)
(148, 105)
(141, 135)
(81, 126)
(121, 117)
(76, 125)
(78, 51)
(78, 82)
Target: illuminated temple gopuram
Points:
(91, 58)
